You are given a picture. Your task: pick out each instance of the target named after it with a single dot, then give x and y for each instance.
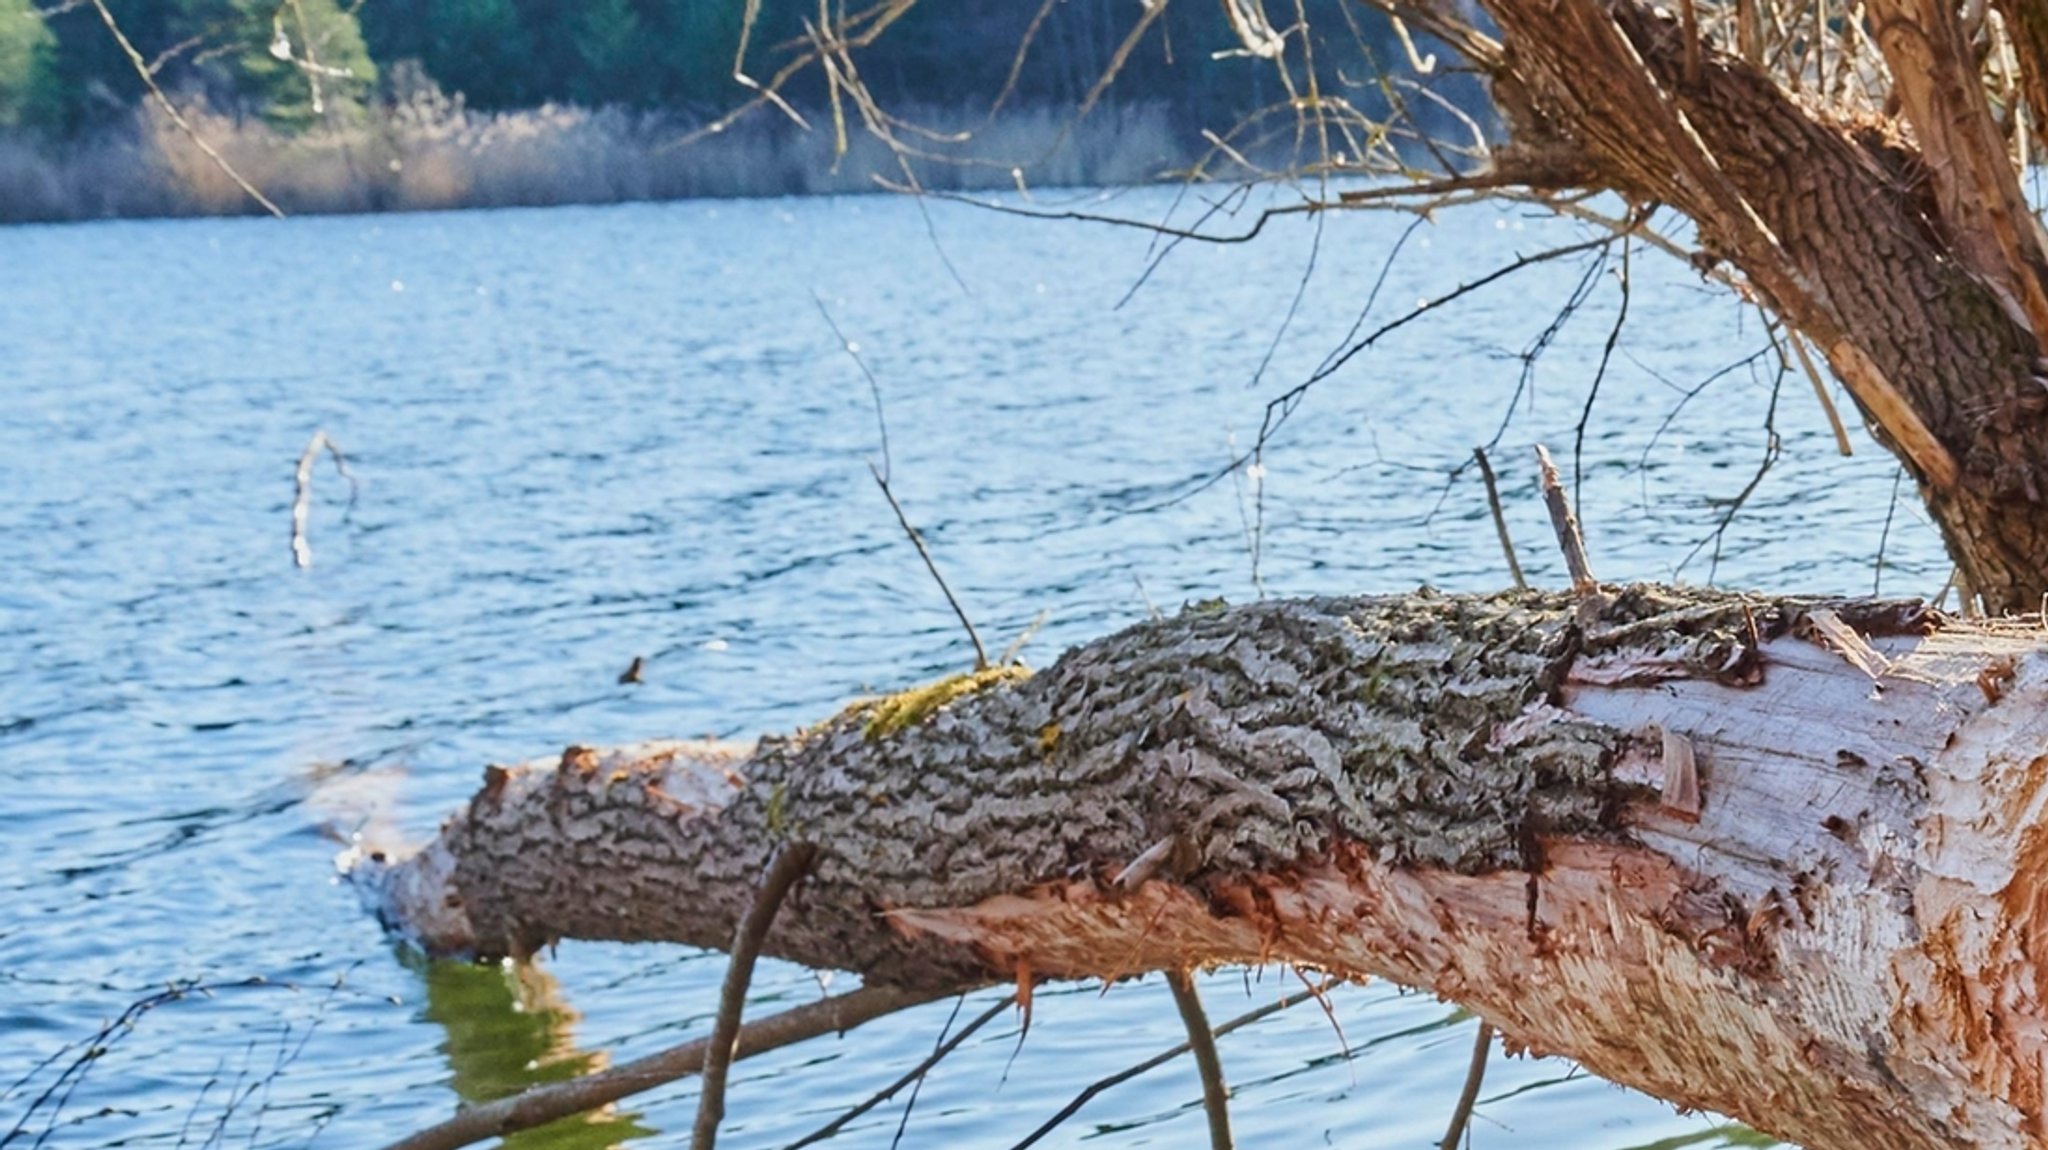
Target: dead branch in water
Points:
(543, 1104)
(1202, 1040)
(302, 501)
(789, 866)
(915, 1074)
(1482, 1044)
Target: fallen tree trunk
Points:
(1781, 859)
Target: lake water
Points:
(585, 435)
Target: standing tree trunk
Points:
(1904, 249)
(1779, 859)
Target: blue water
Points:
(585, 435)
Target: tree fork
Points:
(1841, 946)
(1912, 263)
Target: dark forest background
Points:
(264, 76)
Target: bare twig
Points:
(1162, 1058)
(1151, 608)
(543, 1104)
(302, 500)
(852, 350)
(1566, 524)
(1772, 447)
(1884, 537)
(790, 865)
(88, 1054)
(149, 81)
(914, 1074)
(1215, 1095)
(1500, 519)
(1599, 375)
(882, 474)
(1283, 406)
(1024, 637)
(1474, 1074)
(1820, 391)
(924, 553)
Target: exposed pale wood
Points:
(1935, 77)
(1839, 945)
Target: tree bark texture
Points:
(1911, 260)
(1835, 933)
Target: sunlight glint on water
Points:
(588, 435)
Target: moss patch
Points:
(892, 713)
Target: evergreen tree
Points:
(481, 49)
(612, 55)
(277, 55)
(27, 75)
(697, 38)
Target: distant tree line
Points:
(296, 63)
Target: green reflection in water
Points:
(509, 1029)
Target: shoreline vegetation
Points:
(437, 154)
(332, 106)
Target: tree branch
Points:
(543, 1104)
(790, 865)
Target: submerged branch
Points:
(543, 1104)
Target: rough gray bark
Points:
(1460, 793)
(1909, 259)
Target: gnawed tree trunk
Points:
(1903, 248)
(1838, 938)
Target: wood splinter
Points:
(1843, 640)
(1145, 865)
(1681, 776)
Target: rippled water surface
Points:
(582, 436)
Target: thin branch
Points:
(1820, 392)
(790, 865)
(1023, 637)
(1599, 376)
(1532, 353)
(882, 474)
(1500, 519)
(543, 1104)
(914, 1074)
(1772, 447)
(852, 349)
(1251, 233)
(1565, 523)
(1215, 1095)
(1467, 1097)
(1017, 61)
(1537, 178)
(171, 53)
(1162, 1058)
(1885, 536)
(1281, 407)
(149, 81)
(931, 565)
